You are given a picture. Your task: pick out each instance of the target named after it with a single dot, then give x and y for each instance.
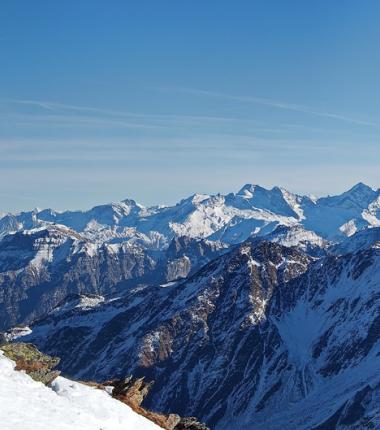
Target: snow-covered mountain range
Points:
(46, 255)
(253, 310)
(230, 218)
(263, 337)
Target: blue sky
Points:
(156, 100)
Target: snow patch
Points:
(68, 405)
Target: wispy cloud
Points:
(49, 118)
(55, 113)
(72, 120)
(275, 104)
(215, 147)
(62, 107)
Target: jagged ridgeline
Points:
(47, 255)
(255, 310)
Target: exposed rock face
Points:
(3, 339)
(217, 345)
(185, 256)
(132, 392)
(190, 423)
(27, 358)
(39, 269)
(262, 337)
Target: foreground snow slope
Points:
(68, 405)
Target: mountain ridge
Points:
(256, 308)
(258, 337)
(202, 216)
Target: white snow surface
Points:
(231, 218)
(68, 405)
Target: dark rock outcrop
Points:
(28, 358)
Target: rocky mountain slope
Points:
(254, 310)
(262, 337)
(46, 255)
(40, 267)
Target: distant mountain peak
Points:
(234, 217)
(275, 200)
(199, 198)
(248, 190)
(131, 202)
(195, 199)
(361, 187)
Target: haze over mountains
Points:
(253, 310)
